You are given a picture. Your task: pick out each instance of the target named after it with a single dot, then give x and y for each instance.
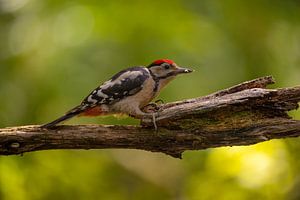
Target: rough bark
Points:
(241, 115)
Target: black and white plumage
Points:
(127, 92)
(125, 83)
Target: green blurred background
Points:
(54, 52)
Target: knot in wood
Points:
(15, 145)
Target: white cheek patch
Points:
(158, 71)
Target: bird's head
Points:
(166, 69)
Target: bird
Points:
(127, 92)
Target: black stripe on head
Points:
(152, 65)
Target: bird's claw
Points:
(151, 107)
(154, 122)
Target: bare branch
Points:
(241, 115)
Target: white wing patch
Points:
(125, 83)
(90, 99)
(121, 78)
(101, 94)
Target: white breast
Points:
(133, 104)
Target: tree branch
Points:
(241, 115)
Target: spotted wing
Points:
(125, 83)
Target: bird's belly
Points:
(132, 104)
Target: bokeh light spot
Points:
(73, 26)
(11, 5)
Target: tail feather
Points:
(72, 113)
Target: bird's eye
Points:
(167, 66)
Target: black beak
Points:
(182, 70)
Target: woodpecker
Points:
(127, 92)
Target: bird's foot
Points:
(153, 116)
(152, 110)
(154, 122)
(151, 107)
